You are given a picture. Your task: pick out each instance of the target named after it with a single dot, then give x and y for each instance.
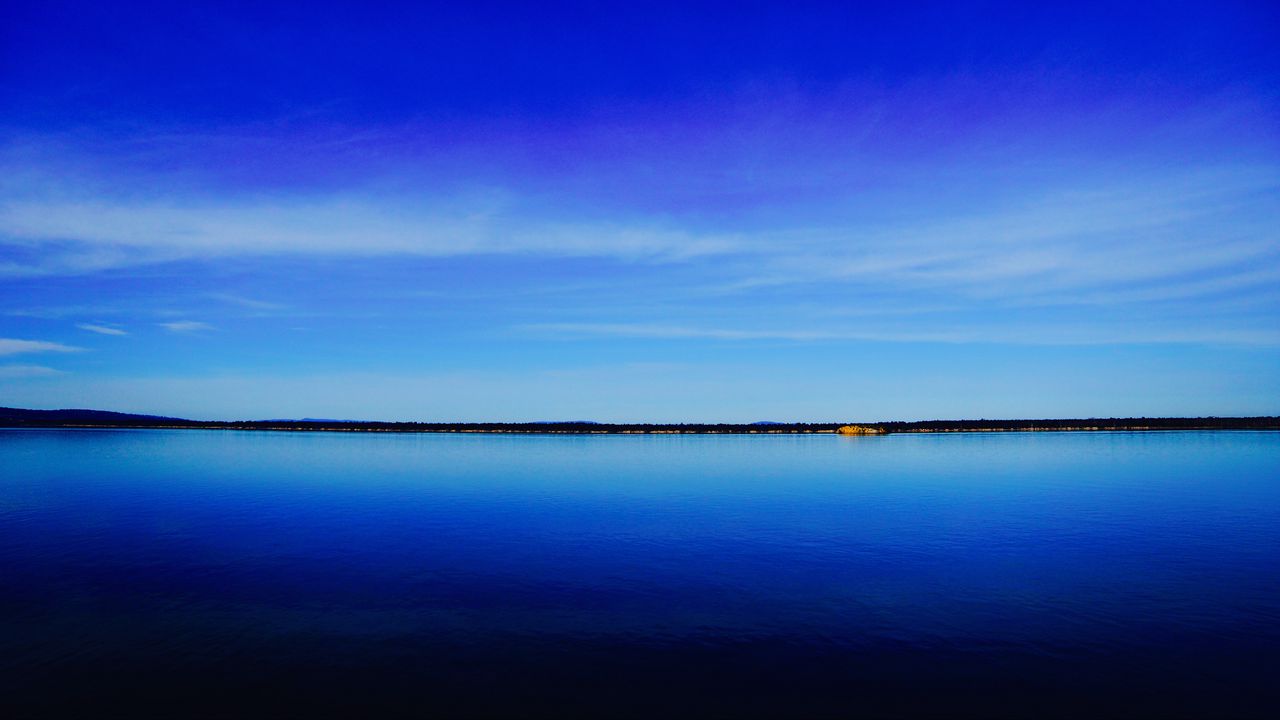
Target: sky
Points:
(685, 212)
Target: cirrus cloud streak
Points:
(12, 346)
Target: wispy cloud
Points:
(101, 329)
(675, 332)
(10, 346)
(1077, 233)
(185, 326)
(61, 311)
(246, 302)
(1004, 333)
(91, 235)
(1049, 241)
(27, 371)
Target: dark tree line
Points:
(13, 417)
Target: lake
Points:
(234, 574)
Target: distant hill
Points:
(11, 416)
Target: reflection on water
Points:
(233, 574)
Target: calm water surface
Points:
(163, 573)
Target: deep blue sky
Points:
(743, 212)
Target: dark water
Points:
(153, 573)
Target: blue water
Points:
(235, 574)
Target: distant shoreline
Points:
(91, 419)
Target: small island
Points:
(860, 430)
